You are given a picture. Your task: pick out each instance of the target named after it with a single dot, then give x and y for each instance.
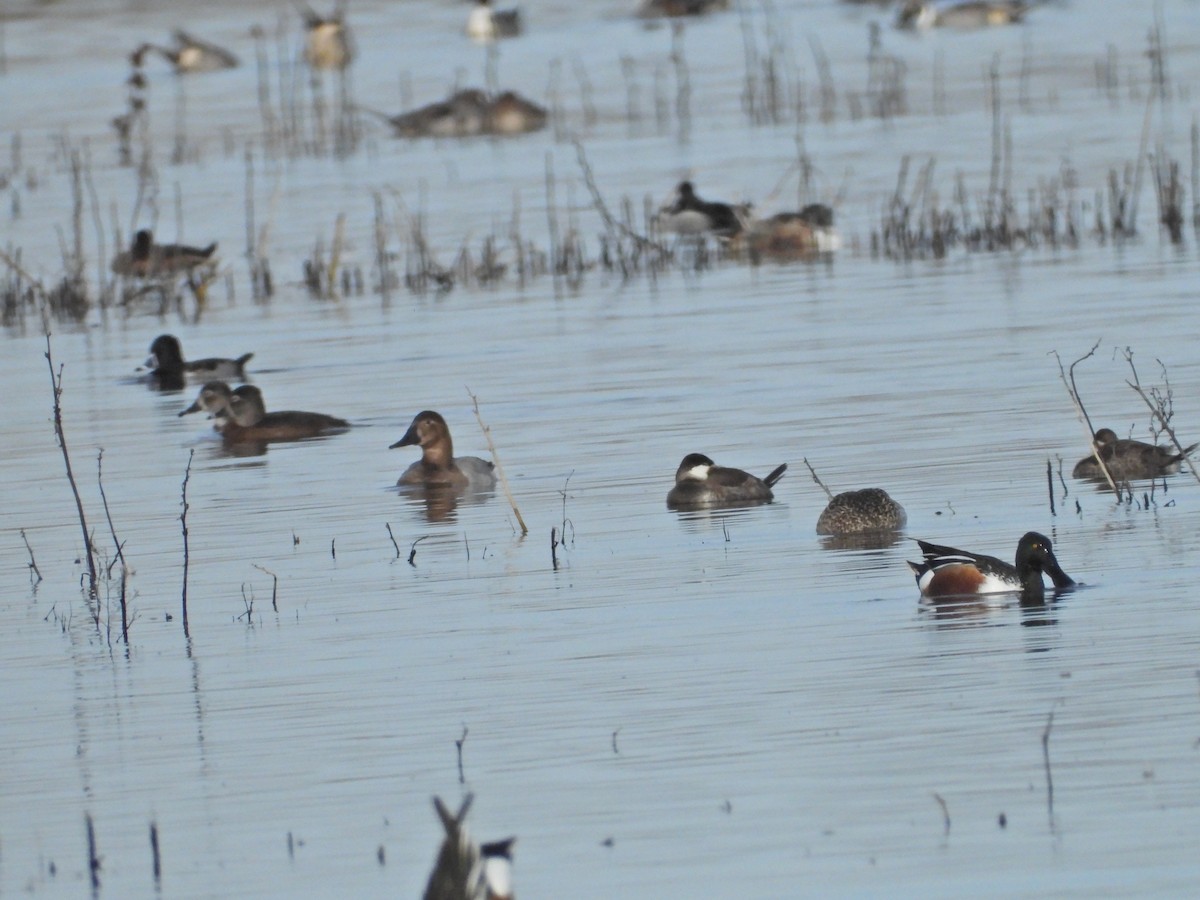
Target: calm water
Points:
(734, 707)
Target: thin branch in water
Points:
(157, 864)
(945, 813)
(93, 856)
(554, 548)
(811, 471)
(88, 548)
(392, 537)
(487, 434)
(187, 474)
(33, 568)
(1050, 485)
(412, 551)
(1068, 380)
(458, 745)
(1046, 761)
(274, 586)
(117, 543)
(1160, 409)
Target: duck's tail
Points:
(775, 475)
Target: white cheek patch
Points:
(697, 473)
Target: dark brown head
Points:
(430, 432)
(143, 242)
(166, 356)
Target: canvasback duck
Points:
(947, 572)
(485, 24)
(189, 54)
(327, 42)
(859, 512)
(701, 482)
(1128, 460)
(241, 416)
(689, 215)
(166, 363)
(967, 14)
(146, 259)
(467, 871)
(438, 466)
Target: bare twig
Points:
(458, 744)
(120, 551)
(157, 859)
(812, 472)
(554, 548)
(1068, 380)
(1046, 761)
(187, 474)
(487, 433)
(93, 856)
(1160, 410)
(412, 551)
(274, 586)
(945, 813)
(388, 525)
(33, 568)
(88, 548)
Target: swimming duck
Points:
(658, 9)
(1129, 460)
(242, 416)
(967, 14)
(689, 215)
(857, 512)
(190, 54)
(471, 112)
(486, 24)
(438, 466)
(948, 572)
(464, 870)
(701, 482)
(166, 362)
(146, 259)
(807, 233)
(327, 43)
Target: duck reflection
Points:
(439, 503)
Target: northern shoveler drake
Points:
(859, 512)
(464, 870)
(689, 215)
(438, 466)
(471, 112)
(241, 416)
(1128, 460)
(327, 43)
(701, 482)
(966, 14)
(146, 259)
(673, 9)
(795, 235)
(485, 24)
(166, 363)
(190, 54)
(947, 572)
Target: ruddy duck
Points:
(968, 14)
(438, 466)
(485, 24)
(327, 43)
(464, 870)
(190, 54)
(166, 362)
(858, 512)
(241, 416)
(146, 259)
(947, 572)
(1129, 460)
(689, 215)
(801, 235)
(701, 482)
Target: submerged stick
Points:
(813, 472)
(459, 747)
(120, 551)
(1046, 762)
(945, 813)
(1160, 413)
(93, 856)
(388, 526)
(89, 550)
(554, 548)
(274, 586)
(487, 434)
(1068, 380)
(1050, 485)
(412, 551)
(157, 860)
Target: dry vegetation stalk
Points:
(1068, 380)
(487, 434)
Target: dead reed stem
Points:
(274, 586)
(89, 549)
(93, 856)
(487, 434)
(1046, 762)
(155, 856)
(458, 745)
(187, 474)
(1068, 380)
(120, 553)
(1160, 409)
(392, 537)
(945, 813)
